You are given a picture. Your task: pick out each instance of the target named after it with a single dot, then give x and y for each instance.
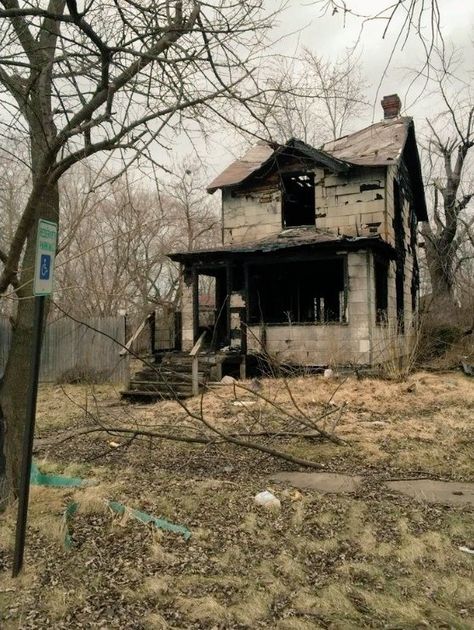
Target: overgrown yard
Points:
(370, 559)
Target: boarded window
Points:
(297, 199)
(297, 292)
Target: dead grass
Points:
(370, 560)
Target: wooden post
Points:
(228, 292)
(195, 375)
(195, 364)
(243, 367)
(195, 304)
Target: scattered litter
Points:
(267, 500)
(114, 444)
(411, 388)
(143, 517)
(328, 373)
(244, 403)
(467, 550)
(37, 478)
(227, 380)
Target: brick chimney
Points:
(391, 106)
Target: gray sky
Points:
(301, 24)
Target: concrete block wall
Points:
(360, 341)
(251, 216)
(187, 334)
(341, 206)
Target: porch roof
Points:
(289, 240)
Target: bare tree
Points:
(118, 236)
(449, 236)
(83, 78)
(311, 98)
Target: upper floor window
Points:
(297, 199)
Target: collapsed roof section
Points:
(262, 157)
(381, 144)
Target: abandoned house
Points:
(318, 261)
(318, 255)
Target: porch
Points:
(304, 298)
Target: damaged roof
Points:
(287, 239)
(380, 144)
(239, 170)
(261, 155)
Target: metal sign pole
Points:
(28, 435)
(46, 243)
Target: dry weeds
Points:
(373, 560)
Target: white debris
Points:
(244, 403)
(267, 500)
(467, 550)
(227, 380)
(328, 373)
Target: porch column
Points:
(228, 272)
(187, 310)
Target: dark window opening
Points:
(238, 280)
(381, 291)
(297, 199)
(310, 292)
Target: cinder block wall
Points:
(342, 205)
(251, 216)
(187, 338)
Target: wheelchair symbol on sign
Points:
(45, 267)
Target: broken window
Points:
(297, 292)
(297, 199)
(381, 290)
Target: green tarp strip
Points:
(37, 478)
(160, 523)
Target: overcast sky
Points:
(330, 35)
(301, 24)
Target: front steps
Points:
(169, 378)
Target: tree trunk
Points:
(16, 382)
(440, 259)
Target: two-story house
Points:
(318, 255)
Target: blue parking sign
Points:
(46, 243)
(45, 266)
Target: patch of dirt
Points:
(322, 482)
(431, 491)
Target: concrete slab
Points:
(322, 482)
(430, 491)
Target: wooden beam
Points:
(228, 292)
